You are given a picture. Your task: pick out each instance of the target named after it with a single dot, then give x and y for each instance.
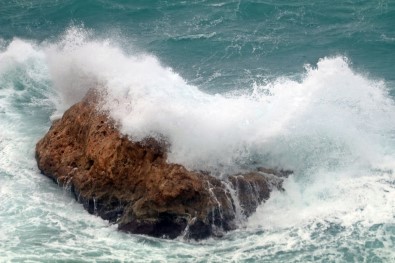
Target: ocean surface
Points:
(232, 85)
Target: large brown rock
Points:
(131, 184)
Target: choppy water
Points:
(307, 86)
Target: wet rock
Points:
(254, 188)
(131, 184)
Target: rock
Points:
(254, 188)
(131, 184)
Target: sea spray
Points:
(334, 128)
(332, 110)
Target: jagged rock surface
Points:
(131, 184)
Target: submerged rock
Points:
(131, 184)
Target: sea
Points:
(306, 85)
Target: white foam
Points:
(342, 114)
(331, 107)
(334, 127)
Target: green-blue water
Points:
(303, 85)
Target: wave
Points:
(334, 127)
(196, 36)
(333, 117)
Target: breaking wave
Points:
(334, 127)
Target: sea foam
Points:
(332, 117)
(334, 127)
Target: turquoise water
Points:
(303, 85)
